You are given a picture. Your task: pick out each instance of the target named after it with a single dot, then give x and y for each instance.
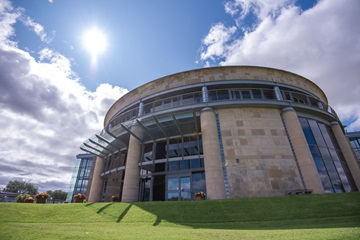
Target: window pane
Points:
(326, 136)
(343, 177)
(198, 182)
(184, 165)
(307, 131)
(317, 133)
(257, 93)
(246, 94)
(195, 163)
(223, 94)
(173, 184)
(269, 94)
(173, 166)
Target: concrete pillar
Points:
(215, 186)
(132, 173)
(302, 152)
(97, 181)
(347, 152)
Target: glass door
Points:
(178, 188)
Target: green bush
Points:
(21, 197)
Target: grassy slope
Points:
(335, 216)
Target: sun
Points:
(94, 41)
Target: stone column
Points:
(347, 152)
(215, 186)
(301, 150)
(132, 173)
(97, 181)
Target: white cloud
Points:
(46, 113)
(321, 43)
(37, 28)
(8, 17)
(216, 41)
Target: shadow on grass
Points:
(289, 212)
(123, 214)
(104, 207)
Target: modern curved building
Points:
(235, 131)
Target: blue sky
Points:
(53, 95)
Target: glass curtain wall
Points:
(172, 169)
(355, 143)
(332, 168)
(80, 178)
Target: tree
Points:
(57, 195)
(21, 187)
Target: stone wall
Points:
(113, 185)
(258, 156)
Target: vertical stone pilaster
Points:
(141, 109)
(301, 150)
(215, 186)
(205, 94)
(347, 152)
(132, 173)
(278, 93)
(97, 181)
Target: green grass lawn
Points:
(332, 216)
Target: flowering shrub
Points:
(21, 197)
(200, 194)
(29, 199)
(79, 195)
(42, 195)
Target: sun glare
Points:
(94, 41)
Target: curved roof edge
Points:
(135, 90)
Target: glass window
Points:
(172, 184)
(342, 175)
(246, 94)
(299, 98)
(185, 164)
(148, 152)
(307, 131)
(257, 93)
(317, 133)
(175, 148)
(327, 159)
(286, 96)
(176, 101)
(195, 163)
(326, 136)
(173, 166)
(160, 150)
(148, 108)
(160, 167)
(223, 94)
(198, 182)
(197, 97)
(212, 95)
(269, 94)
(187, 99)
(167, 103)
(236, 94)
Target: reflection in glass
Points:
(173, 184)
(327, 158)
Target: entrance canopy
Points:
(148, 128)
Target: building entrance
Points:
(178, 188)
